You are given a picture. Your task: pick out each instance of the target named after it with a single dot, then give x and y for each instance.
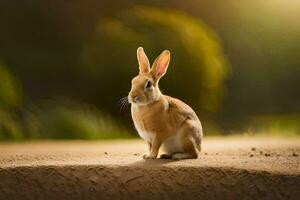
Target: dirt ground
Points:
(227, 168)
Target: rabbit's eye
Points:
(148, 84)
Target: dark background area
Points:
(64, 65)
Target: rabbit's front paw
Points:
(144, 155)
(149, 156)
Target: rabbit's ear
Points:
(160, 65)
(144, 64)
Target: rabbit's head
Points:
(144, 87)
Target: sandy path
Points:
(228, 168)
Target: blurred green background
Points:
(64, 65)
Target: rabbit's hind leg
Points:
(187, 141)
(189, 150)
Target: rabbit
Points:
(161, 120)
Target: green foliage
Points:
(281, 125)
(10, 90)
(10, 99)
(198, 68)
(10, 128)
(71, 121)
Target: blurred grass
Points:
(276, 125)
(10, 128)
(69, 120)
(58, 120)
(61, 120)
(10, 89)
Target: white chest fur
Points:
(139, 124)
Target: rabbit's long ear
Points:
(144, 64)
(160, 65)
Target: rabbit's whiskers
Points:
(123, 103)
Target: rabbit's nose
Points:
(135, 98)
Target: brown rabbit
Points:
(159, 119)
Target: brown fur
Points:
(161, 119)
